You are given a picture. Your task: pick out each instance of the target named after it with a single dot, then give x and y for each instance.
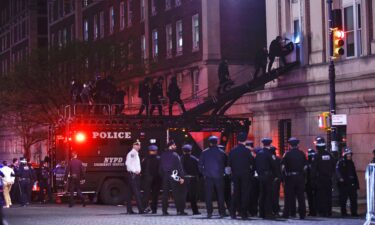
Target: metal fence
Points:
(370, 187)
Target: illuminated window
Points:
(122, 15)
(111, 20)
(101, 30)
(179, 38)
(177, 3)
(143, 10)
(96, 27)
(168, 4)
(169, 41)
(85, 31)
(195, 23)
(143, 47)
(130, 12)
(353, 28)
(155, 49)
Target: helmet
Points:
(249, 143)
(293, 141)
(23, 160)
(213, 139)
(347, 151)
(319, 141)
(170, 143)
(187, 148)
(152, 148)
(311, 152)
(267, 141)
(242, 136)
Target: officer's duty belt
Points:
(292, 173)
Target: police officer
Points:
(156, 96)
(277, 49)
(261, 61)
(173, 94)
(265, 164)
(133, 167)
(144, 93)
(173, 178)
(151, 179)
(25, 178)
(241, 163)
(75, 173)
(15, 193)
(325, 166)
(44, 182)
(212, 164)
(254, 182)
(190, 166)
(311, 181)
(347, 182)
(276, 183)
(294, 162)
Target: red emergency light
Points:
(80, 137)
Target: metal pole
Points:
(332, 77)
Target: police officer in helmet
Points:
(212, 164)
(25, 178)
(265, 164)
(294, 162)
(325, 166)
(151, 179)
(347, 182)
(190, 166)
(310, 186)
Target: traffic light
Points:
(324, 121)
(338, 42)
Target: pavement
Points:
(56, 214)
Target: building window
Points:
(195, 83)
(85, 3)
(85, 30)
(353, 29)
(130, 55)
(65, 37)
(111, 20)
(179, 39)
(155, 49)
(285, 132)
(177, 3)
(130, 12)
(72, 32)
(101, 30)
(153, 8)
(96, 27)
(297, 31)
(59, 38)
(122, 15)
(143, 10)
(143, 47)
(195, 22)
(168, 4)
(169, 41)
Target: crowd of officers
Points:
(103, 91)
(18, 180)
(246, 182)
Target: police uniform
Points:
(310, 186)
(75, 173)
(348, 183)
(265, 164)
(212, 164)
(155, 96)
(25, 178)
(173, 94)
(241, 163)
(144, 94)
(190, 166)
(44, 184)
(171, 171)
(294, 162)
(325, 166)
(133, 167)
(254, 184)
(276, 183)
(151, 179)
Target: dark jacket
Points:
(75, 170)
(144, 90)
(261, 57)
(156, 92)
(170, 161)
(174, 91)
(311, 172)
(223, 72)
(265, 163)
(25, 172)
(325, 165)
(345, 169)
(150, 166)
(190, 165)
(212, 162)
(275, 48)
(241, 161)
(294, 162)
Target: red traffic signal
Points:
(338, 42)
